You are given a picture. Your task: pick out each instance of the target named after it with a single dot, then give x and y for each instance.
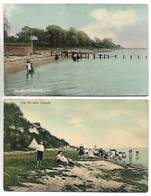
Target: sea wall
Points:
(14, 50)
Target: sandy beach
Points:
(89, 177)
(14, 64)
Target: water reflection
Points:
(29, 76)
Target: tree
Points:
(6, 30)
(14, 139)
(55, 35)
(24, 34)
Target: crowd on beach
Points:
(85, 153)
(112, 154)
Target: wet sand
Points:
(14, 64)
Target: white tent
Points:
(33, 144)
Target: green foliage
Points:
(18, 44)
(16, 131)
(56, 37)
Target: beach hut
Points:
(33, 144)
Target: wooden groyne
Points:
(86, 55)
(94, 55)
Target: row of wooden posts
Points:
(114, 56)
(87, 55)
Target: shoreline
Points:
(15, 64)
(88, 175)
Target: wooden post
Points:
(104, 56)
(88, 55)
(115, 57)
(138, 56)
(146, 57)
(85, 55)
(61, 53)
(93, 56)
(100, 56)
(108, 56)
(123, 56)
(131, 57)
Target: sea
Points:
(143, 156)
(141, 162)
(126, 75)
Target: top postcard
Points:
(75, 50)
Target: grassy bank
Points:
(18, 167)
(21, 169)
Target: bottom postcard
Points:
(76, 145)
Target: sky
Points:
(126, 25)
(104, 123)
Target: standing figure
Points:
(32, 68)
(56, 57)
(137, 155)
(40, 150)
(130, 155)
(81, 150)
(78, 57)
(28, 66)
(75, 57)
(124, 156)
(120, 156)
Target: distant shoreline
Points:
(15, 64)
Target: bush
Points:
(18, 44)
(8, 147)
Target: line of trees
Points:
(56, 37)
(16, 131)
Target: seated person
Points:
(63, 160)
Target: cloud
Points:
(8, 8)
(109, 23)
(78, 123)
(118, 19)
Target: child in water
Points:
(124, 156)
(56, 57)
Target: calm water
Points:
(143, 156)
(89, 77)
